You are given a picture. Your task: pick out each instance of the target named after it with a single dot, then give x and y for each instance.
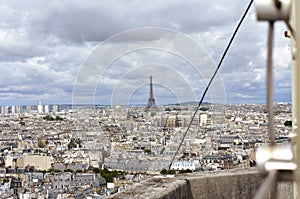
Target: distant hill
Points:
(189, 103)
(194, 103)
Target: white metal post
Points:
(296, 94)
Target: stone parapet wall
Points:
(232, 184)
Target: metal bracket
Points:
(273, 10)
(279, 157)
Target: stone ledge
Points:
(235, 183)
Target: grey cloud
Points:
(96, 21)
(64, 33)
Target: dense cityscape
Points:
(74, 117)
(64, 151)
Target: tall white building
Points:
(13, 110)
(3, 110)
(18, 109)
(47, 109)
(55, 108)
(203, 119)
(40, 108)
(6, 110)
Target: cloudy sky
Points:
(103, 52)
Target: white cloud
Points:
(243, 96)
(248, 85)
(43, 47)
(282, 57)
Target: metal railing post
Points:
(268, 187)
(270, 159)
(296, 94)
(270, 103)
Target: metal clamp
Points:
(273, 10)
(279, 157)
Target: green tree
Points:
(106, 174)
(96, 170)
(288, 123)
(164, 172)
(186, 171)
(48, 118)
(54, 170)
(71, 144)
(59, 118)
(171, 171)
(148, 151)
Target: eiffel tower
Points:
(151, 100)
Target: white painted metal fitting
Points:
(278, 157)
(267, 10)
(294, 52)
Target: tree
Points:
(96, 170)
(59, 118)
(164, 172)
(5, 180)
(50, 118)
(54, 170)
(186, 171)
(148, 151)
(288, 123)
(42, 143)
(171, 171)
(71, 144)
(106, 174)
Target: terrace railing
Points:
(280, 162)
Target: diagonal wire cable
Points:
(212, 78)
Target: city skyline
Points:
(43, 49)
